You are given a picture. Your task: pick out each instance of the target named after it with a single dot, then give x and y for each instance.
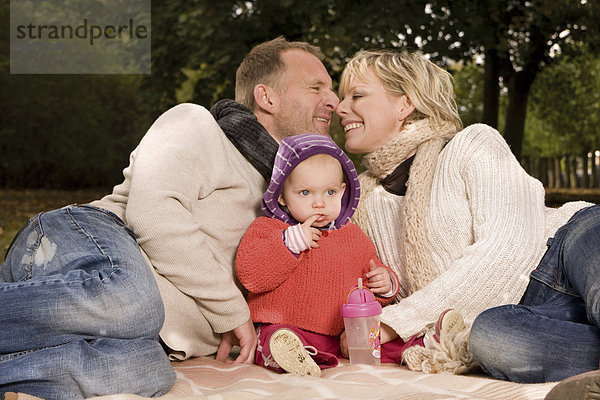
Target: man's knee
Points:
(134, 306)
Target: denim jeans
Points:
(553, 332)
(80, 311)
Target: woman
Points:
(460, 221)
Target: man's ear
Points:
(281, 200)
(405, 109)
(265, 98)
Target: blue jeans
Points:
(80, 311)
(553, 332)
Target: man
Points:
(81, 305)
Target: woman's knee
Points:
(482, 337)
(504, 343)
(491, 341)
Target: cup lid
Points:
(360, 302)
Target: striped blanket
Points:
(205, 378)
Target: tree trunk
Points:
(533, 168)
(594, 178)
(557, 173)
(572, 171)
(491, 88)
(544, 174)
(518, 91)
(585, 178)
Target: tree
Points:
(66, 131)
(517, 39)
(204, 41)
(570, 87)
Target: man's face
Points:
(306, 99)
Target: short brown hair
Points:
(264, 65)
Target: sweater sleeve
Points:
(263, 261)
(490, 265)
(367, 246)
(389, 297)
(178, 164)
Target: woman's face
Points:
(370, 115)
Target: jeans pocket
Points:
(110, 214)
(549, 270)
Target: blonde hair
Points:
(263, 64)
(427, 86)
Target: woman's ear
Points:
(405, 109)
(264, 96)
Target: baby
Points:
(301, 260)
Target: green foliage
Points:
(69, 131)
(468, 89)
(564, 112)
(66, 131)
(517, 38)
(75, 131)
(201, 42)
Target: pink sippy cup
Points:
(361, 314)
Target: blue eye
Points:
(331, 192)
(304, 192)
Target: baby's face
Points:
(315, 187)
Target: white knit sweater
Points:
(487, 224)
(189, 195)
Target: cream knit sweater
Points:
(189, 195)
(487, 224)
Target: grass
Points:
(18, 206)
(556, 197)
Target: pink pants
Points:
(328, 347)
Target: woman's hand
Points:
(344, 345)
(387, 334)
(379, 279)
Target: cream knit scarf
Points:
(428, 143)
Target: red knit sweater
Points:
(306, 291)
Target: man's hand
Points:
(379, 279)
(312, 234)
(244, 336)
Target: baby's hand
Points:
(312, 234)
(379, 279)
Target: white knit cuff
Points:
(394, 288)
(295, 239)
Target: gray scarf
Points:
(247, 134)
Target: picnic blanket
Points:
(205, 378)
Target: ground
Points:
(17, 206)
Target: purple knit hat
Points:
(292, 151)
